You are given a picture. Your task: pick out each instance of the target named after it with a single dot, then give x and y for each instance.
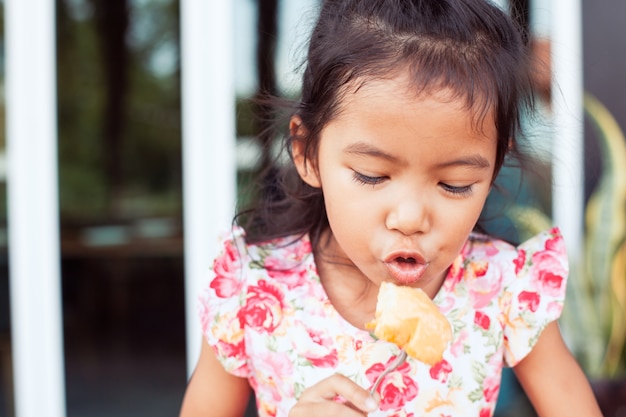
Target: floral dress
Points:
(268, 319)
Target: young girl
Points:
(408, 110)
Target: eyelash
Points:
(367, 180)
(464, 191)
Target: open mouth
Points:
(406, 269)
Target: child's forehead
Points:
(401, 86)
(434, 130)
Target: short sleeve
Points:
(221, 301)
(536, 294)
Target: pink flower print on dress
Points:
(552, 283)
(455, 275)
(485, 412)
(397, 388)
(482, 320)
(491, 387)
(447, 304)
(323, 354)
(274, 367)
(477, 269)
(457, 348)
(528, 300)
(237, 349)
(330, 360)
(267, 409)
(207, 317)
(263, 310)
(292, 278)
(402, 413)
(520, 260)
(556, 243)
(226, 286)
(554, 308)
(440, 371)
(286, 265)
(484, 283)
(548, 273)
(227, 269)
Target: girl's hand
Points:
(336, 396)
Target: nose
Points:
(409, 216)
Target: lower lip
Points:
(406, 273)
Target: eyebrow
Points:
(365, 149)
(471, 161)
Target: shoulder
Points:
(543, 247)
(537, 293)
(495, 268)
(484, 262)
(250, 286)
(547, 248)
(487, 248)
(234, 251)
(240, 265)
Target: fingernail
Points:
(371, 404)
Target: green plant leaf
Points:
(606, 229)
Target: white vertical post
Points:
(208, 122)
(33, 212)
(567, 104)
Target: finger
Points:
(343, 387)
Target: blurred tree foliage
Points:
(119, 109)
(119, 104)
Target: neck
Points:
(350, 292)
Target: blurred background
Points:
(121, 202)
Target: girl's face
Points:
(404, 178)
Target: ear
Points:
(305, 167)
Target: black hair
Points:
(470, 47)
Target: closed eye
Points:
(366, 179)
(462, 191)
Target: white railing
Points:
(208, 101)
(567, 107)
(33, 211)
